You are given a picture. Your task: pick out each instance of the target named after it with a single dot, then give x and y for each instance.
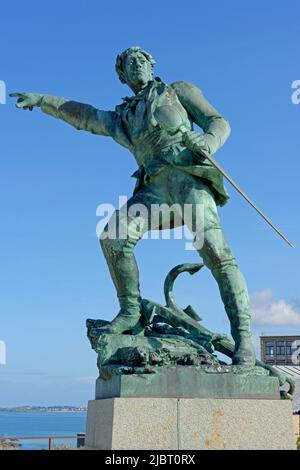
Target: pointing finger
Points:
(15, 94)
(21, 104)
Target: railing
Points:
(80, 439)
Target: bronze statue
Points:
(170, 171)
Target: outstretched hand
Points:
(27, 100)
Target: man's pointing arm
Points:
(80, 115)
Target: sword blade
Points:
(231, 181)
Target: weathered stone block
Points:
(235, 424)
(132, 423)
(196, 423)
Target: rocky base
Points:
(165, 350)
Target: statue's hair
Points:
(121, 58)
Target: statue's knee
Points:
(109, 238)
(113, 243)
(107, 243)
(216, 252)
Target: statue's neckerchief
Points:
(132, 101)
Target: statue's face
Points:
(138, 70)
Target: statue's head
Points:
(135, 67)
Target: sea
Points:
(19, 424)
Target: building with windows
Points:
(280, 350)
(283, 353)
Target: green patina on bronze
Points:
(172, 339)
(189, 382)
(146, 335)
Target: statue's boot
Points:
(244, 353)
(125, 321)
(219, 259)
(235, 297)
(124, 272)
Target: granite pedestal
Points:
(188, 408)
(189, 423)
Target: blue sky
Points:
(244, 57)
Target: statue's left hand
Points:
(195, 142)
(27, 100)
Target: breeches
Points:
(171, 199)
(174, 198)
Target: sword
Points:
(213, 161)
(171, 121)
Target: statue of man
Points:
(169, 173)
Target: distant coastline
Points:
(45, 409)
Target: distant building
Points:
(283, 352)
(280, 350)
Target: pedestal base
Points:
(189, 423)
(188, 382)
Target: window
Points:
(289, 348)
(280, 348)
(269, 348)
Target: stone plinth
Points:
(189, 423)
(132, 423)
